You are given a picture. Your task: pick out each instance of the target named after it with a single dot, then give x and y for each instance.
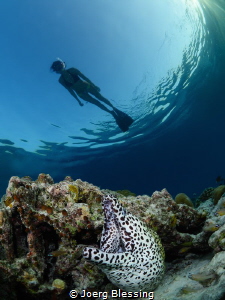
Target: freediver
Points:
(79, 85)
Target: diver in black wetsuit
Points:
(77, 84)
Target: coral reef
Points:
(126, 193)
(194, 277)
(205, 195)
(217, 193)
(182, 198)
(44, 227)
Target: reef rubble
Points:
(44, 227)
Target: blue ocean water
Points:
(162, 63)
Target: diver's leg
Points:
(92, 100)
(122, 119)
(95, 93)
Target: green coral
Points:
(74, 191)
(72, 229)
(173, 221)
(126, 193)
(217, 193)
(182, 198)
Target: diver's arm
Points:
(71, 91)
(81, 75)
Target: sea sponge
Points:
(182, 198)
(217, 193)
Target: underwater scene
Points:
(112, 150)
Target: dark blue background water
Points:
(183, 154)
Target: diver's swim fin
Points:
(122, 119)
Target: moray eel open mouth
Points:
(111, 240)
(130, 254)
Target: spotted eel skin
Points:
(131, 255)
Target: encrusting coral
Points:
(41, 225)
(205, 195)
(44, 227)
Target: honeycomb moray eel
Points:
(131, 255)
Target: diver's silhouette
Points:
(78, 84)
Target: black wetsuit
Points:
(74, 76)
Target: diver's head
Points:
(57, 66)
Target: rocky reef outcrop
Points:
(44, 227)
